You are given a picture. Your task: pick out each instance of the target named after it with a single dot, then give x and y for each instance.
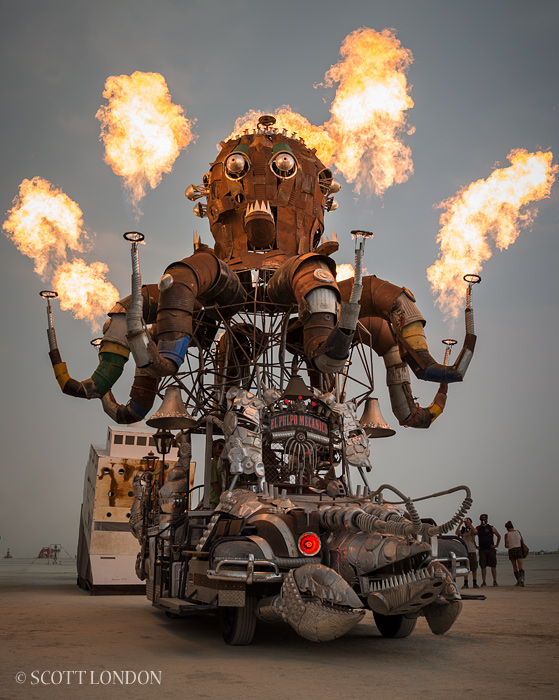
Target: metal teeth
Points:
(263, 207)
(400, 580)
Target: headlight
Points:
(283, 165)
(236, 166)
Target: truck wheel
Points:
(238, 624)
(395, 626)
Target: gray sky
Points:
(484, 82)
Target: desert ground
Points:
(506, 646)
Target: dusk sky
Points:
(483, 83)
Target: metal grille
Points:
(231, 599)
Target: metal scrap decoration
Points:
(255, 340)
(257, 335)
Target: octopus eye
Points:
(236, 166)
(283, 165)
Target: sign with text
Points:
(304, 421)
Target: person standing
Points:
(487, 548)
(513, 542)
(467, 532)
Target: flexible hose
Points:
(374, 517)
(357, 288)
(469, 311)
(134, 316)
(51, 334)
(431, 530)
(410, 507)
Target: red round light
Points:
(309, 544)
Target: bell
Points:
(297, 389)
(172, 414)
(373, 422)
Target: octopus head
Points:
(266, 190)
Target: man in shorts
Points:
(487, 548)
(467, 532)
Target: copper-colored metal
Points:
(376, 333)
(297, 202)
(227, 291)
(377, 298)
(297, 389)
(373, 421)
(300, 275)
(202, 276)
(172, 414)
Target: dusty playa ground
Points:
(506, 646)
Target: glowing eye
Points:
(309, 544)
(284, 165)
(236, 166)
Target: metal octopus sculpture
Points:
(266, 196)
(259, 336)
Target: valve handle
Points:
(134, 236)
(362, 234)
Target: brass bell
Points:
(297, 389)
(373, 421)
(172, 414)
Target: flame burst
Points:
(368, 111)
(143, 131)
(44, 222)
(84, 290)
(363, 137)
(344, 272)
(486, 211)
(295, 124)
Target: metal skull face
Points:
(266, 191)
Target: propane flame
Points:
(363, 138)
(368, 111)
(486, 211)
(84, 290)
(143, 131)
(295, 124)
(345, 271)
(44, 222)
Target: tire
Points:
(394, 626)
(238, 624)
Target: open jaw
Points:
(405, 592)
(259, 210)
(260, 224)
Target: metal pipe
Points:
(137, 336)
(51, 334)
